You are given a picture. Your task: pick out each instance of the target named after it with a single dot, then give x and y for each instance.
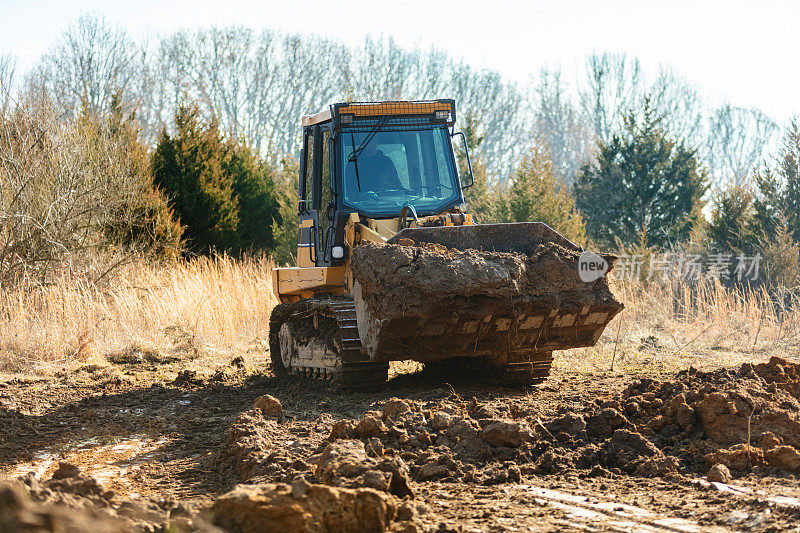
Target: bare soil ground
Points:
(154, 447)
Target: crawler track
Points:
(321, 338)
(318, 339)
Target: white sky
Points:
(743, 52)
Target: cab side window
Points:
(308, 166)
(325, 195)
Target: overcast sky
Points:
(743, 52)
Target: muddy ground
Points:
(150, 447)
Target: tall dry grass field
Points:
(219, 308)
(199, 308)
(674, 324)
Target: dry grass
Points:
(219, 308)
(195, 309)
(674, 325)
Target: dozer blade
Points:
(506, 292)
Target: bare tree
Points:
(558, 122)
(7, 71)
(499, 107)
(612, 86)
(382, 70)
(92, 62)
(678, 103)
(256, 86)
(738, 141)
(62, 185)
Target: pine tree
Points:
(188, 167)
(536, 194)
(733, 227)
(645, 188)
(778, 202)
(254, 187)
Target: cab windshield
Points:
(398, 167)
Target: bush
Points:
(781, 269)
(142, 222)
(65, 187)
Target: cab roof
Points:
(398, 108)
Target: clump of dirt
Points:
(306, 507)
(247, 447)
(345, 463)
(70, 501)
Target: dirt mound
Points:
(19, 512)
(306, 507)
(71, 502)
(723, 415)
(654, 428)
(249, 443)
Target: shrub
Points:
(537, 194)
(65, 187)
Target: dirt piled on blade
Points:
(429, 302)
(421, 275)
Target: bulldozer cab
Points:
(378, 160)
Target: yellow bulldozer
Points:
(392, 266)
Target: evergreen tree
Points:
(189, 168)
(733, 227)
(645, 188)
(254, 187)
(778, 203)
(141, 221)
(286, 185)
(536, 194)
